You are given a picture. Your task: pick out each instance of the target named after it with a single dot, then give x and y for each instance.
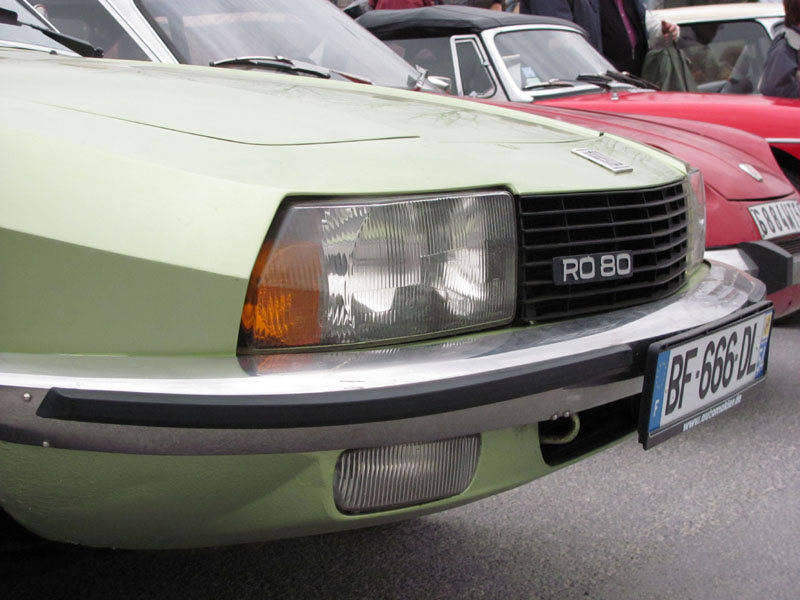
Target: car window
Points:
(432, 54)
(203, 31)
(26, 37)
(533, 56)
(90, 21)
(475, 78)
(730, 54)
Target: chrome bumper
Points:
(776, 267)
(360, 398)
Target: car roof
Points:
(443, 20)
(720, 12)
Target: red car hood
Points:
(716, 151)
(771, 118)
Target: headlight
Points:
(696, 197)
(382, 270)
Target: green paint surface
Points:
(131, 501)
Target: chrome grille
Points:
(651, 224)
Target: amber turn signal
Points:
(283, 295)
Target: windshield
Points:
(726, 56)
(533, 57)
(21, 36)
(315, 31)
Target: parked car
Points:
(218, 327)
(727, 44)
(527, 58)
(742, 178)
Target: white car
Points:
(727, 43)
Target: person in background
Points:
(781, 76)
(629, 30)
(585, 13)
(622, 30)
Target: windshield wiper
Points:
(287, 65)
(598, 79)
(550, 83)
(79, 46)
(626, 77)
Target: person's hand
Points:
(670, 30)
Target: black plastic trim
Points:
(774, 264)
(332, 408)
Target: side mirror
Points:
(443, 83)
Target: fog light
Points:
(376, 479)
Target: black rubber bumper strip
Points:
(332, 408)
(774, 264)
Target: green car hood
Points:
(168, 177)
(269, 110)
(149, 140)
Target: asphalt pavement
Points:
(711, 514)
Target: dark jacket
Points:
(585, 13)
(780, 69)
(616, 45)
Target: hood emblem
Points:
(604, 160)
(752, 171)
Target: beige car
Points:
(727, 43)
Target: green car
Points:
(240, 306)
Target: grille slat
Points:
(609, 240)
(568, 211)
(651, 225)
(792, 246)
(648, 220)
(642, 252)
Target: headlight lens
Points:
(367, 271)
(696, 196)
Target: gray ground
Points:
(714, 513)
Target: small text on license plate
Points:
(691, 379)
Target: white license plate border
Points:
(648, 438)
(767, 225)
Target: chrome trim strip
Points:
(26, 379)
(734, 257)
(783, 140)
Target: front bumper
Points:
(777, 267)
(293, 403)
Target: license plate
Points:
(776, 219)
(694, 376)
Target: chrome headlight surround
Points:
(383, 270)
(695, 189)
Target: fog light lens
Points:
(383, 270)
(376, 479)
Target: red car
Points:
(527, 58)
